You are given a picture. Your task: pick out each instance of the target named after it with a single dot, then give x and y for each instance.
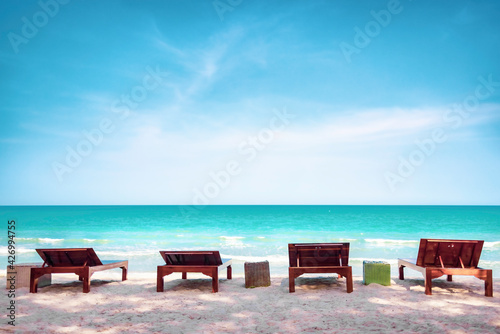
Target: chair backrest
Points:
(191, 258)
(449, 253)
(318, 254)
(69, 257)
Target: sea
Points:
(245, 233)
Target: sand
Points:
(319, 305)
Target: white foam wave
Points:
(89, 240)
(50, 241)
(391, 241)
(492, 244)
(54, 241)
(487, 264)
(127, 253)
(4, 250)
(273, 259)
(234, 241)
(42, 240)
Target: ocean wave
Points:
(488, 264)
(50, 240)
(233, 242)
(127, 253)
(273, 259)
(391, 241)
(100, 241)
(93, 241)
(5, 251)
(54, 241)
(42, 240)
(492, 244)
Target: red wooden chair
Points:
(319, 258)
(206, 262)
(438, 257)
(83, 262)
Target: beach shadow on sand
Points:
(74, 286)
(192, 284)
(442, 286)
(309, 282)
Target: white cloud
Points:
(337, 159)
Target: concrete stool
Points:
(21, 274)
(376, 272)
(257, 274)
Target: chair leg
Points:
(124, 273)
(449, 278)
(229, 272)
(184, 275)
(291, 280)
(215, 280)
(86, 280)
(33, 282)
(428, 282)
(159, 281)
(401, 273)
(488, 284)
(34, 285)
(349, 281)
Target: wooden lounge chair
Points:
(438, 257)
(206, 262)
(80, 261)
(319, 258)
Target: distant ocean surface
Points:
(248, 233)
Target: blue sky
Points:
(249, 102)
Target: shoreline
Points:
(320, 304)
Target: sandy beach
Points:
(319, 305)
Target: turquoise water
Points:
(248, 233)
